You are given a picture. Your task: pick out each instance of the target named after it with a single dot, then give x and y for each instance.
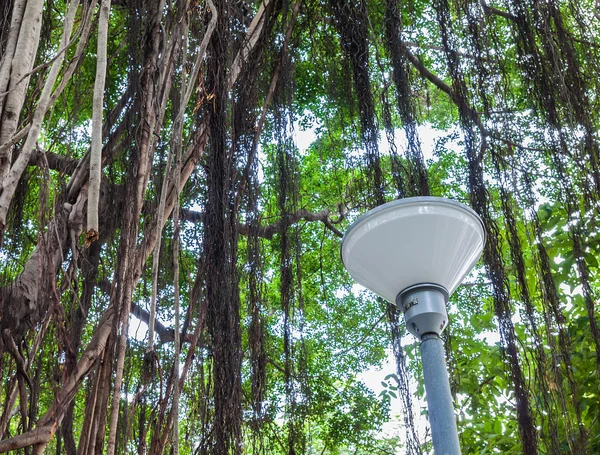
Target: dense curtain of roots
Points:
(223, 318)
(417, 182)
(475, 148)
(286, 166)
(351, 20)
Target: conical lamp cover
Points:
(413, 241)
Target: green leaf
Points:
(498, 427)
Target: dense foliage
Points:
(169, 238)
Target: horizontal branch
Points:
(270, 230)
(166, 334)
(435, 48)
(497, 12)
(56, 162)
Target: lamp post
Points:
(414, 252)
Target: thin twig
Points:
(363, 338)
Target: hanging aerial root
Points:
(492, 252)
(397, 49)
(351, 20)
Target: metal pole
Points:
(439, 398)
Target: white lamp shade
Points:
(413, 241)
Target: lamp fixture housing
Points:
(416, 249)
(424, 308)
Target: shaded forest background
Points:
(151, 172)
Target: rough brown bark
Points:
(21, 303)
(47, 425)
(135, 192)
(89, 269)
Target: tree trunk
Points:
(9, 50)
(11, 178)
(20, 65)
(97, 109)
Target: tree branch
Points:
(473, 114)
(435, 48)
(166, 334)
(490, 10)
(363, 338)
(56, 162)
(270, 230)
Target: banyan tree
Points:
(176, 177)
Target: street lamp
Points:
(414, 252)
